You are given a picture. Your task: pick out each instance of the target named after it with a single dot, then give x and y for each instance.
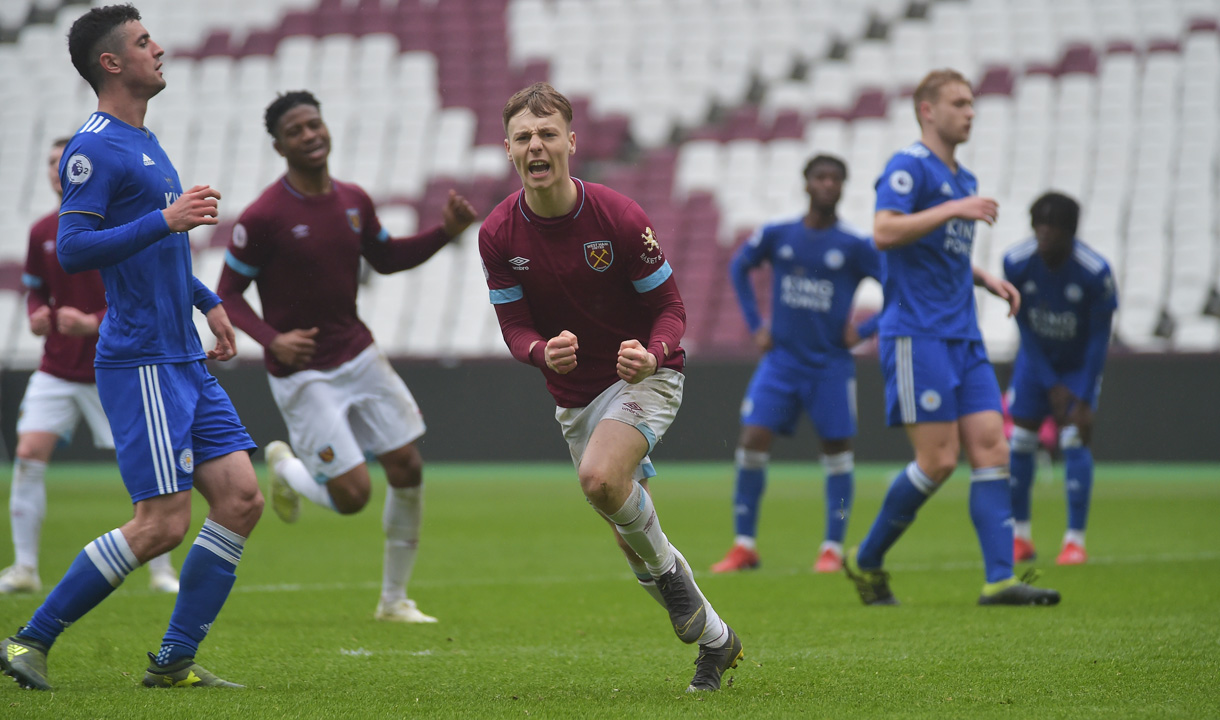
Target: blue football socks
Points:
(840, 491)
(207, 577)
(908, 492)
(93, 575)
(1078, 477)
(751, 482)
(1021, 466)
(991, 512)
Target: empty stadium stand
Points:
(702, 110)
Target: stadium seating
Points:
(702, 110)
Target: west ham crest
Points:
(353, 220)
(599, 254)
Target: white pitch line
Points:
(568, 579)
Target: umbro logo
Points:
(633, 408)
(520, 263)
(946, 189)
(300, 231)
(147, 160)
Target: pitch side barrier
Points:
(1153, 407)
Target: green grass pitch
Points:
(540, 616)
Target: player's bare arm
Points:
(70, 321)
(635, 362)
(763, 340)
(457, 214)
(195, 207)
(999, 287)
(226, 343)
(40, 321)
(851, 336)
(893, 229)
(295, 348)
(560, 352)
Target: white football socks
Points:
(1074, 536)
(646, 581)
(27, 506)
(299, 479)
(639, 527)
(401, 520)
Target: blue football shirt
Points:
(814, 278)
(1065, 314)
(116, 180)
(929, 285)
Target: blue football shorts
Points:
(1029, 394)
(777, 394)
(167, 419)
(935, 380)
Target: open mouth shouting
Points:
(539, 168)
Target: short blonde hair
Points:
(540, 99)
(928, 89)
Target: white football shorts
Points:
(649, 406)
(56, 405)
(337, 417)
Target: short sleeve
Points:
(899, 185)
(90, 172)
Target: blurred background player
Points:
(67, 310)
(1067, 308)
(578, 278)
(301, 242)
(816, 263)
(125, 212)
(939, 383)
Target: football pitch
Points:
(541, 617)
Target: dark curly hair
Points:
(828, 160)
(1057, 210)
(285, 102)
(94, 33)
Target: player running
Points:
(939, 384)
(67, 310)
(583, 292)
(1065, 318)
(301, 242)
(816, 262)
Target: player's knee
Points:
(755, 439)
(163, 535)
(1072, 437)
(241, 510)
(35, 448)
(404, 468)
(939, 467)
(1024, 441)
(597, 485)
(350, 498)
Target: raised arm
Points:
(389, 255)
